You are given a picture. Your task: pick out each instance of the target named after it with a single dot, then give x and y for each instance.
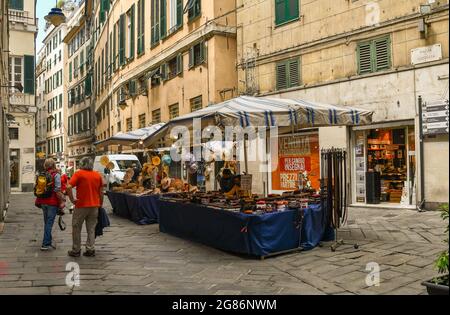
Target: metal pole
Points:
(420, 206)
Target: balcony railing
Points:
(22, 99)
(20, 16)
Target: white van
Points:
(121, 162)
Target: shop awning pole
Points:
(421, 205)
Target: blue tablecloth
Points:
(139, 209)
(257, 235)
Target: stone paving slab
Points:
(134, 259)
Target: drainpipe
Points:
(421, 204)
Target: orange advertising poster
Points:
(296, 154)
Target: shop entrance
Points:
(14, 165)
(384, 166)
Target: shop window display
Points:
(387, 159)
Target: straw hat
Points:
(165, 183)
(104, 160)
(156, 160)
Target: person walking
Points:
(48, 192)
(89, 197)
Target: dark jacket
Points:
(102, 222)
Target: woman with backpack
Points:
(47, 189)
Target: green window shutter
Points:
(16, 4)
(28, 74)
(133, 25)
(282, 75)
(280, 11)
(140, 28)
(115, 48)
(382, 54)
(179, 64)
(163, 72)
(155, 22)
(179, 13)
(364, 58)
(202, 52)
(106, 5)
(294, 73)
(191, 57)
(286, 10)
(88, 85)
(122, 40)
(163, 19)
(132, 88)
(102, 14)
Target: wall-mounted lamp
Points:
(55, 17)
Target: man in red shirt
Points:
(89, 197)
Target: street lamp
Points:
(56, 16)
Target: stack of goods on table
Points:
(251, 205)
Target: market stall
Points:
(237, 220)
(141, 209)
(256, 233)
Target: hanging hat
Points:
(166, 159)
(104, 160)
(156, 160)
(193, 168)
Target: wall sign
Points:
(435, 118)
(426, 54)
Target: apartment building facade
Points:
(78, 80)
(42, 111)
(378, 55)
(22, 107)
(4, 106)
(55, 94)
(157, 59)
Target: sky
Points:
(42, 9)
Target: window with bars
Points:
(196, 103)
(286, 11)
(142, 121)
(156, 116)
(129, 122)
(374, 55)
(287, 73)
(174, 111)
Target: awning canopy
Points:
(131, 138)
(267, 112)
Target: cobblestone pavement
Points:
(133, 259)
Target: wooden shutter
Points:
(88, 85)
(292, 8)
(280, 11)
(179, 13)
(163, 19)
(382, 54)
(115, 47)
(294, 73)
(191, 57)
(132, 87)
(16, 4)
(122, 40)
(364, 55)
(132, 47)
(202, 56)
(282, 75)
(140, 27)
(102, 14)
(163, 72)
(155, 22)
(28, 74)
(179, 64)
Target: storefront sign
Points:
(246, 182)
(426, 54)
(296, 154)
